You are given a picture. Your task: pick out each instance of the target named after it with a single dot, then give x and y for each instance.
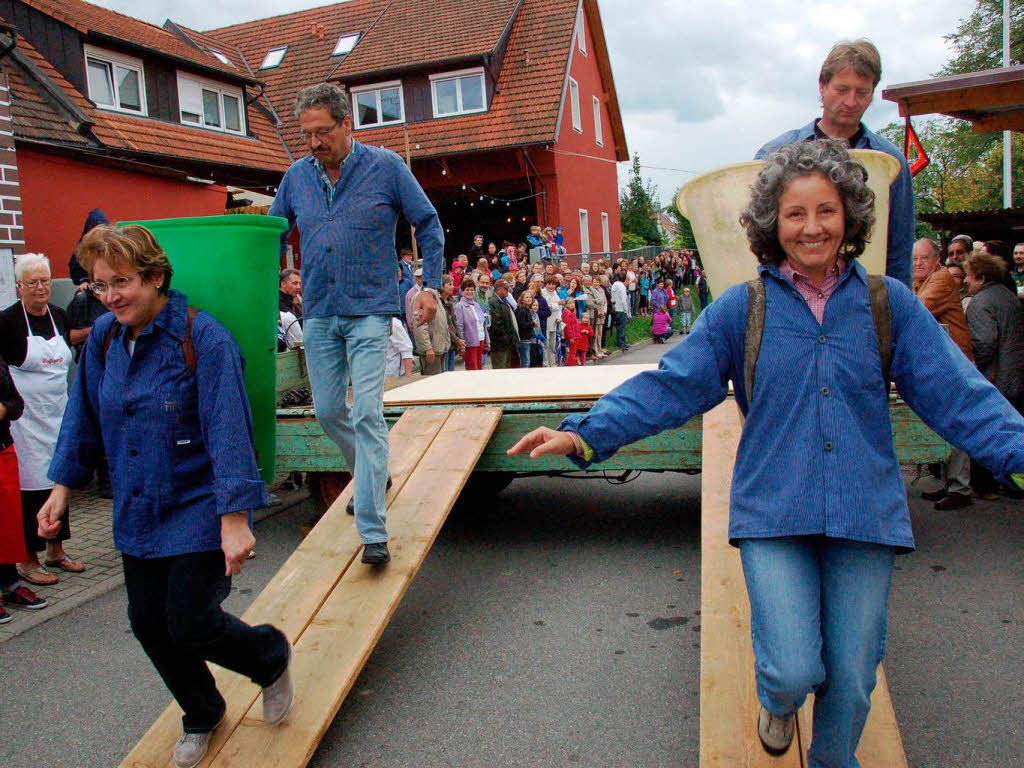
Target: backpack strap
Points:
(755, 330)
(882, 315)
(187, 346)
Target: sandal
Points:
(38, 576)
(65, 563)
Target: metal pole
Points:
(1007, 135)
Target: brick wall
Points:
(12, 233)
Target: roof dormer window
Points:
(221, 57)
(345, 45)
(458, 93)
(274, 57)
(115, 81)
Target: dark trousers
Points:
(174, 609)
(620, 329)
(501, 358)
(31, 503)
(8, 577)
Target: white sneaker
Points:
(776, 732)
(279, 695)
(190, 749)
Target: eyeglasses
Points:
(320, 133)
(42, 282)
(117, 284)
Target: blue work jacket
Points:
(816, 455)
(901, 197)
(179, 445)
(348, 248)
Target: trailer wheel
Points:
(482, 486)
(324, 488)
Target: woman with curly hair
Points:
(817, 508)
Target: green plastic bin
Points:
(228, 266)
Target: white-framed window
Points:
(378, 104)
(584, 231)
(574, 101)
(274, 57)
(345, 44)
(209, 104)
(220, 57)
(115, 81)
(581, 34)
(605, 237)
(598, 128)
(458, 93)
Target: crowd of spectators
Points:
(976, 291)
(506, 310)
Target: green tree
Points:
(637, 206)
(685, 239)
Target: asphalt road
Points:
(560, 625)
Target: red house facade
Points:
(505, 110)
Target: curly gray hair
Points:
(827, 157)
(323, 96)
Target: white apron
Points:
(42, 381)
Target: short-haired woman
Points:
(160, 389)
(818, 508)
(35, 343)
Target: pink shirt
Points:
(815, 296)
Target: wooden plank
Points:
(728, 699)
(514, 385)
(881, 745)
(332, 651)
(297, 591)
(291, 370)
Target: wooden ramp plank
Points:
(728, 696)
(514, 385)
(332, 651)
(881, 745)
(297, 591)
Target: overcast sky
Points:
(702, 83)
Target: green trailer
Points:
(302, 445)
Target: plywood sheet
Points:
(297, 591)
(332, 651)
(514, 385)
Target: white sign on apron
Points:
(42, 381)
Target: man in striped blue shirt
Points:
(345, 198)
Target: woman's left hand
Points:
(236, 541)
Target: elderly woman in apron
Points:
(39, 358)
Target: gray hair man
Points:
(846, 87)
(345, 198)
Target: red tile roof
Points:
(86, 18)
(417, 34)
(38, 118)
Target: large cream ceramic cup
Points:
(714, 201)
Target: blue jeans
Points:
(818, 624)
(449, 363)
(338, 348)
(524, 354)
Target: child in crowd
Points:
(559, 241)
(661, 325)
(537, 352)
(524, 324)
(471, 323)
(686, 310)
(645, 289)
(673, 301)
(571, 331)
(535, 239)
(586, 335)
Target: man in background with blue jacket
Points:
(345, 198)
(846, 84)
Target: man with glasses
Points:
(345, 198)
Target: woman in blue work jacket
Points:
(818, 508)
(160, 390)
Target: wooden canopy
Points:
(992, 100)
